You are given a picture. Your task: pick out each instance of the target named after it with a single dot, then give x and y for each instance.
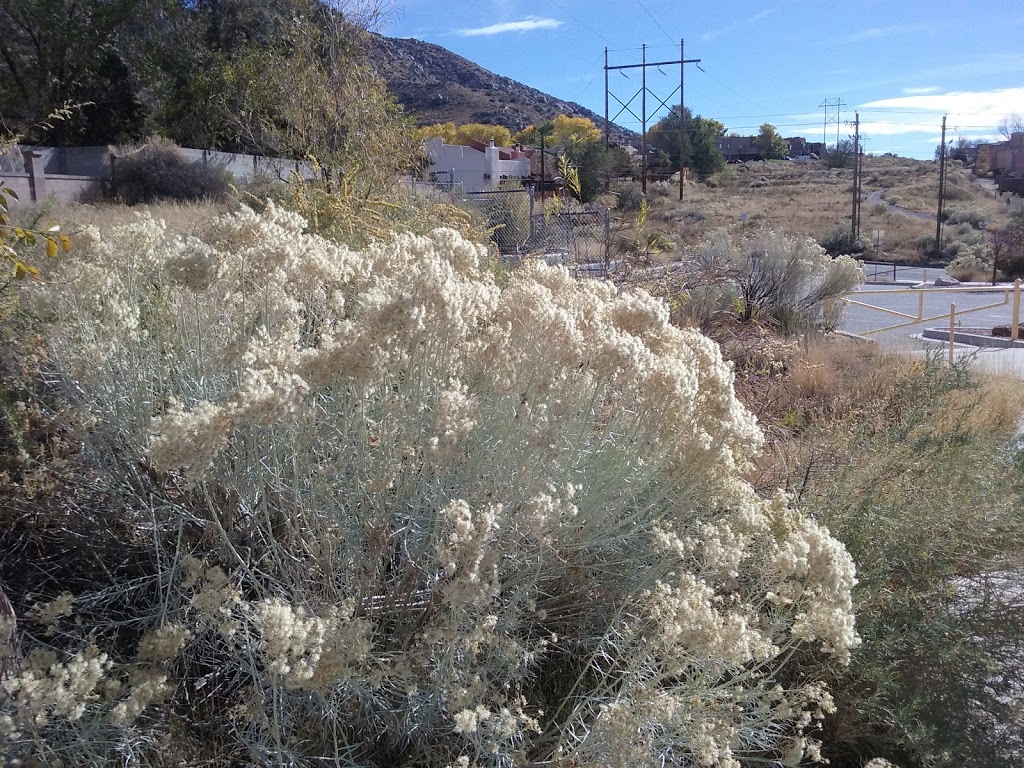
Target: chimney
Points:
(491, 143)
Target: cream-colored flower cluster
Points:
(499, 514)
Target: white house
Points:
(477, 167)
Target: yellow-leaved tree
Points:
(525, 136)
(443, 131)
(572, 131)
(483, 133)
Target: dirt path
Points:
(875, 196)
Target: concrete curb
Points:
(971, 339)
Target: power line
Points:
(737, 93)
(640, 3)
(580, 22)
(590, 82)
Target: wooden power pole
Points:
(855, 213)
(942, 188)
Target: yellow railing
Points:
(1009, 292)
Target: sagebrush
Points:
(375, 508)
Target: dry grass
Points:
(815, 396)
(813, 200)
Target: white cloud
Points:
(877, 33)
(525, 25)
(973, 108)
(919, 91)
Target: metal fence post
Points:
(1015, 324)
(952, 330)
(533, 231)
(608, 241)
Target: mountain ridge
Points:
(436, 85)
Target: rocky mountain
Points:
(438, 86)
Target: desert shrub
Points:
(659, 190)
(759, 183)
(694, 215)
(158, 170)
(840, 155)
(973, 217)
(712, 182)
(770, 276)
(1008, 244)
(894, 199)
(954, 191)
(629, 197)
(879, 209)
(925, 491)
(399, 514)
(356, 219)
(841, 241)
(972, 263)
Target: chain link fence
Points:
(509, 216)
(440, 190)
(579, 239)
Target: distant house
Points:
(798, 146)
(737, 148)
(477, 167)
(1004, 158)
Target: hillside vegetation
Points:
(814, 200)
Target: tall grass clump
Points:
(916, 467)
(380, 510)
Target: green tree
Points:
(698, 149)
(840, 155)
(593, 163)
(769, 143)
(59, 52)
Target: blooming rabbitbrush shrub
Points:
(415, 516)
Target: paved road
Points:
(883, 272)
(861, 320)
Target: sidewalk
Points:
(992, 360)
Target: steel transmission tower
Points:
(642, 92)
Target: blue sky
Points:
(901, 64)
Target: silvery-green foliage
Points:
(445, 521)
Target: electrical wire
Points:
(640, 3)
(579, 21)
(737, 93)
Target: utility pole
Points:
(643, 111)
(942, 188)
(607, 125)
(855, 214)
(642, 93)
(682, 117)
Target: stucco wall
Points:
(474, 169)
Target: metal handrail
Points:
(1006, 290)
